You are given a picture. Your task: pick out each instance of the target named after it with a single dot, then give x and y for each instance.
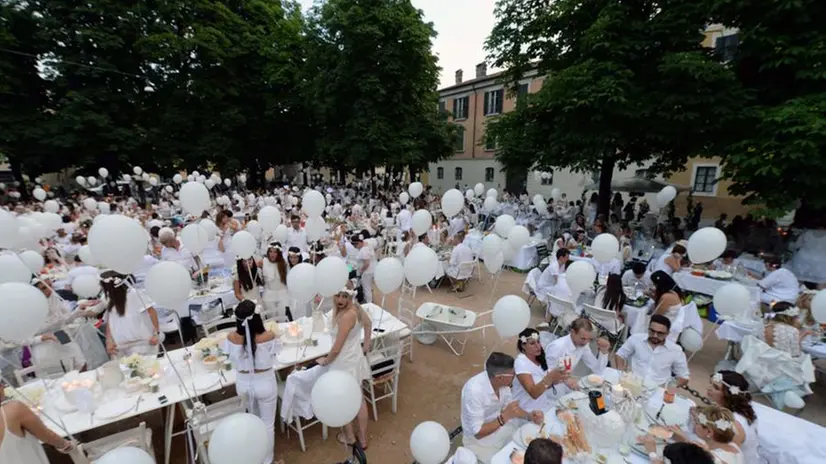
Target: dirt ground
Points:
(431, 386)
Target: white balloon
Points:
(195, 237)
(503, 225)
(201, 179)
(542, 208)
(177, 178)
(313, 203)
(168, 283)
(490, 204)
(537, 199)
(691, 340)
(243, 244)
(580, 275)
(479, 189)
(508, 250)
(196, 174)
(404, 198)
(331, 275)
(294, 200)
(227, 182)
(511, 315)
(209, 183)
(104, 207)
(819, 307)
(315, 227)
(52, 221)
(415, 189)
(605, 247)
(494, 263)
(242, 178)
(85, 255)
(127, 178)
(126, 455)
(103, 172)
(241, 437)
(190, 178)
(556, 194)
(469, 194)
(254, 227)
(210, 228)
(429, 443)
(86, 285)
(153, 181)
(39, 194)
(118, 242)
(793, 400)
(194, 198)
(732, 300)
(492, 193)
(90, 204)
(422, 220)
(669, 193)
(518, 237)
(24, 310)
(81, 180)
(706, 244)
(13, 269)
(420, 265)
(491, 245)
(452, 202)
(168, 189)
(137, 170)
(280, 233)
(336, 398)
(51, 206)
(33, 260)
(270, 217)
(9, 229)
(301, 282)
(389, 275)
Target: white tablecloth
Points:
(817, 350)
(735, 331)
(525, 258)
(706, 286)
(636, 317)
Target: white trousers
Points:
(275, 302)
(261, 391)
(367, 287)
(487, 447)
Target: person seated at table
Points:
(726, 262)
(535, 386)
(567, 351)
(612, 296)
(714, 426)
(457, 224)
(543, 451)
(676, 453)
(131, 321)
(247, 280)
(638, 277)
(488, 408)
(461, 253)
(782, 331)
(779, 285)
(22, 432)
(252, 350)
(550, 276)
(670, 263)
(668, 297)
(421, 241)
(731, 391)
(652, 356)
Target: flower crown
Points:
(791, 312)
(534, 336)
(719, 424)
(118, 281)
(733, 389)
(274, 246)
(347, 291)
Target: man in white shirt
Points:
(550, 276)
(638, 275)
(366, 266)
(652, 356)
(405, 219)
(461, 254)
(173, 251)
(488, 408)
(296, 236)
(569, 350)
(779, 285)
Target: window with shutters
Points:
(521, 91)
(460, 108)
(457, 174)
(705, 180)
(440, 173)
(726, 46)
(441, 106)
(493, 102)
(489, 174)
(460, 139)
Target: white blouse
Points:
(264, 355)
(135, 324)
(523, 365)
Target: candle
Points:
(618, 390)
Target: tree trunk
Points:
(412, 170)
(388, 174)
(373, 180)
(606, 173)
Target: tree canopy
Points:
(626, 82)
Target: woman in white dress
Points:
(252, 350)
(731, 391)
(274, 268)
(535, 385)
(131, 321)
(247, 280)
(715, 427)
(671, 262)
(349, 353)
(668, 297)
(21, 433)
(782, 331)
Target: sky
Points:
(462, 27)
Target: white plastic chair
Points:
(225, 324)
(608, 321)
(385, 365)
(300, 384)
(564, 312)
(21, 375)
(172, 324)
(463, 274)
(139, 437)
(529, 287)
(406, 314)
(200, 428)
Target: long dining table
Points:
(196, 379)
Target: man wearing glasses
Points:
(488, 408)
(652, 356)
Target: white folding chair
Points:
(22, 375)
(564, 312)
(172, 324)
(199, 426)
(406, 314)
(408, 289)
(463, 274)
(224, 324)
(609, 322)
(139, 437)
(529, 286)
(385, 364)
(299, 384)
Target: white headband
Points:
(791, 312)
(347, 291)
(733, 389)
(534, 336)
(719, 424)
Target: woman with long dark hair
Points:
(668, 297)
(731, 391)
(252, 350)
(612, 297)
(247, 280)
(534, 388)
(274, 268)
(131, 321)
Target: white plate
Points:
(220, 290)
(114, 409)
(206, 381)
(520, 437)
(584, 383)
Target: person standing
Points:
(247, 280)
(131, 321)
(296, 235)
(367, 266)
(274, 268)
